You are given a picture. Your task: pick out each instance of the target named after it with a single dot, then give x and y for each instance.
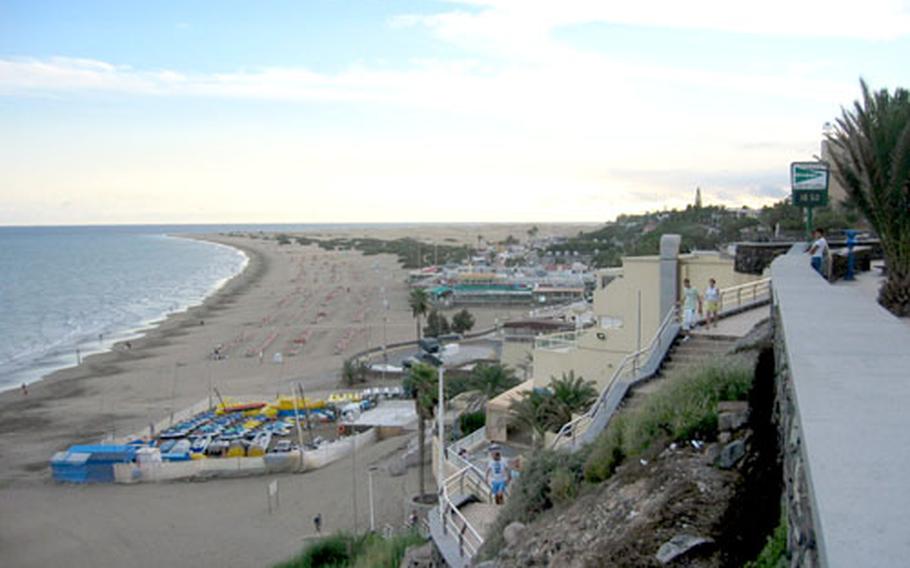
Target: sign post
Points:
(809, 182)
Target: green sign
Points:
(810, 198)
(809, 181)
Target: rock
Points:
(731, 454)
(418, 557)
(487, 564)
(724, 437)
(732, 415)
(512, 533)
(678, 546)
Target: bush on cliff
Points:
(685, 409)
(342, 550)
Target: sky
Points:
(320, 111)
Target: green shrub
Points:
(386, 552)
(531, 494)
(684, 409)
(343, 550)
(471, 421)
(774, 554)
(563, 486)
(331, 551)
(606, 452)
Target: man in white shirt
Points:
(497, 475)
(818, 250)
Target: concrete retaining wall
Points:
(843, 382)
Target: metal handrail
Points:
(570, 429)
(450, 510)
(752, 291)
(744, 294)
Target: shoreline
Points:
(148, 332)
(316, 307)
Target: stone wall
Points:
(801, 541)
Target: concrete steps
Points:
(684, 356)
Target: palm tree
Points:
(534, 410)
(421, 381)
(492, 379)
(871, 154)
(575, 393)
(571, 395)
(420, 305)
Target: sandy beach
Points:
(332, 299)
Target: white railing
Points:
(736, 297)
(466, 443)
(644, 362)
(453, 521)
(628, 369)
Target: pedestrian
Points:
(24, 389)
(818, 250)
(317, 522)
(691, 306)
(497, 475)
(412, 519)
(712, 303)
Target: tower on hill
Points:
(698, 198)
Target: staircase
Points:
(685, 355)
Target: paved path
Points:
(736, 325)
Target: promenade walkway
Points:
(849, 366)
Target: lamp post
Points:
(437, 362)
(370, 472)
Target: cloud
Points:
(510, 22)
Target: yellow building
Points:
(629, 306)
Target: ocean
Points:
(64, 289)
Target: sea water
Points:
(64, 289)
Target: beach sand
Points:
(221, 522)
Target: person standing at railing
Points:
(497, 475)
(819, 250)
(712, 303)
(691, 304)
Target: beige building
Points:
(837, 194)
(629, 306)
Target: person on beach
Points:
(691, 306)
(24, 389)
(317, 522)
(497, 475)
(818, 250)
(712, 303)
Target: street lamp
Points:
(370, 472)
(440, 415)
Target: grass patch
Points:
(774, 554)
(344, 550)
(684, 409)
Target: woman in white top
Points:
(712, 303)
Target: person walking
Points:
(712, 303)
(691, 305)
(497, 475)
(317, 522)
